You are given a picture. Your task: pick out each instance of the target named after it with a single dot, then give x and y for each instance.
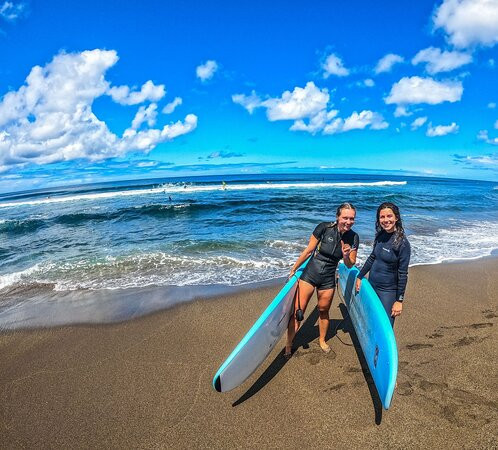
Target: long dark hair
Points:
(399, 232)
(339, 209)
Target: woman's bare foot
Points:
(325, 347)
(288, 351)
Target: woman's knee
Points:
(324, 308)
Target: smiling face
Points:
(387, 220)
(345, 219)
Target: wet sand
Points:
(146, 383)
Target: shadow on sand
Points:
(306, 334)
(347, 327)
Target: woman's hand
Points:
(291, 274)
(397, 308)
(358, 284)
(346, 249)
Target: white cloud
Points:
(441, 130)
(413, 90)
(418, 122)
(11, 11)
(369, 82)
(468, 22)
(146, 140)
(299, 104)
(317, 123)
(496, 125)
(249, 102)
(489, 161)
(170, 107)
(50, 118)
(491, 105)
(148, 164)
(484, 136)
(438, 61)
(144, 114)
(333, 65)
(387, 62)
(149, 92)
(401, 111)
(358, 121)
(207, 70)
(308, 108)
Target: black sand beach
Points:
(146, 383)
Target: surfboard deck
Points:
(374, 331)
(260, 340)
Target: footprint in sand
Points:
(353, 370)
(418, 346)
(428, 386)
(476, 326)
(335, 387)
(489, 313)
(434, 335)
(467, 340)
(404, 388)
(403, 364)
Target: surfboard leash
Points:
(341, 322)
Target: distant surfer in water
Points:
(329, 243)
(388, 262)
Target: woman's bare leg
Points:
(305, 292)
(324, 301)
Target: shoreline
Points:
(147, 382)
(48, 308)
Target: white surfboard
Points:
(260, 340)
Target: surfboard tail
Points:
(217, 383)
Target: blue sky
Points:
(119, 90)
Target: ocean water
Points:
(62, 248)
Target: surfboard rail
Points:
(260, 340)
(374, 331)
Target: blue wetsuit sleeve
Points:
(368, 265)
(404, 261)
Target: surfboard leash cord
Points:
(342, 321)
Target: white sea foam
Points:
(470, 241)
(285, 245)
(175, 189)
(268, 260)
(17, 277)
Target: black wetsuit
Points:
(320, 271)
(388, 266)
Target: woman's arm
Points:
(365, 269)
(306, 253)
(368, 265)
(349, 253)
(403, 262)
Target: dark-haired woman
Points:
(388, 262)
(329, 243)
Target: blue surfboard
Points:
(260, 340)
(374, 331)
